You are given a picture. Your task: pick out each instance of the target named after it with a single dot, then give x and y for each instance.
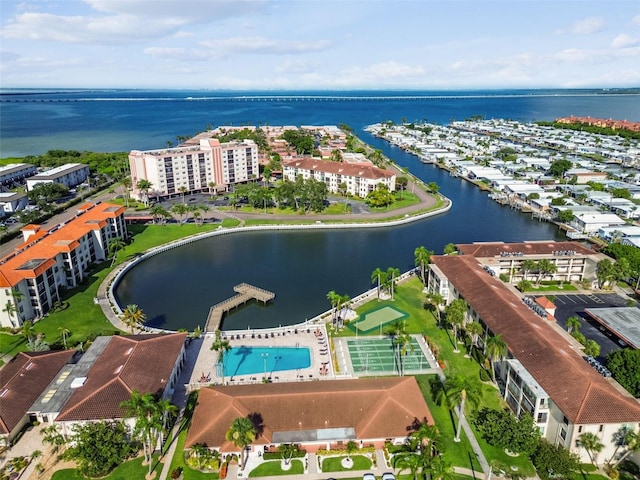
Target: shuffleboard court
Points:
(380, 356)
(377, 318)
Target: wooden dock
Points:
(245, 292)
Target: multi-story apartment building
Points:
(32, 276)
(573, 261)
(193, 168)
(69, 175)
(359, 180)
(16, 173)
(544, 373)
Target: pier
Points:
(245, 292)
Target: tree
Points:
(527, 267)
(144, 186)
(115, 246)
(157, 212)
(573, 323)
(592, 348)
(98, 447)
(380, 277)
(436, 300)
(404, 346)
(179, 209)
(449, 249)
(605, 272)
(554, 461)
(559, 167)
(392, 274)
(413, 462)
(545, 267)
(64, 333)
(352, 447)
(221, 346)
(422, 259)
(212, 188)
(624, 365)
(459, 390)
(592, 444)
(630, 440)
(456, 313)
(44, 195)
(52, 436)
(496, 349)
(433, 187)
(133, 317)
(333, 298)
(28, 331)
(565, 216)
(439, 469)
(287, 450)
(380, 196)
(241, 432)
(474, 330)
(10, 310)
(182, 189)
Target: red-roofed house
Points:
(32, 277)
(22, 380)
(359, 179)
(312, 414)
(544, 373)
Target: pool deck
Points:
(314, 337)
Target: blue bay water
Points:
(176, 289)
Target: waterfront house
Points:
(358, 179)
(313, 415)
(591, 222)
(543, 373)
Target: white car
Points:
(388, 476)
(368, 476)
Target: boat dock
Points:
(245, 292)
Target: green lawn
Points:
(272, 467)
(127, 471)
(555, 287)
(334, 464)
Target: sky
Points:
(319, 44)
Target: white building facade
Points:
(194, 168)
(359, 180)
(69, 175)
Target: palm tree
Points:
(144, 186)
(179, 209)
(528, 266)
(573, 323)
(148, 425)
(380, 277)
(333, 298)
(425, 437)
(352, 447)
(592, 348)
(627, 438)
(456, 313)
(592, 444)
(413, 462)
(287, 450)
(422, 259)
(212, 187)
(474, 330)
(182, 191)
(64, 332)
(436, 300)
(28, 331)
(496, 349)
(440, 469)
(458, 391)
(167, 411)
(126, 187)
(10, 309)
(545, 267)
(157, 211)
(404, 346)
(392, 273)
(221, 346)
(52, 436)
(241, 432)
(133, 317)
(115, 246)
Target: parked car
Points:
(388, 476)
(368, 476)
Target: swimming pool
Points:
(249, 360)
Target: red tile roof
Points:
(373, 407)
(44, 245)
(140, 362)
(492, 249)
(23, 379)
(351, 170)
(583, 395)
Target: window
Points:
(601, 428)
(563, 434)
(565, 420)
(580, 429)
(542, 417)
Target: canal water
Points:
(177, 288)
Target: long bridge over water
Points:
(245, 292)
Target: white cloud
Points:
(624, 41)
(636, 20)
(296, 66)
(263, 45)
(588, 26)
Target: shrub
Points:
(484, 375)
(175, 474)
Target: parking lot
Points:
(574, 305)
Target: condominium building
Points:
(544, 373)
(16, 173)
(33, 275)
(358, 180)
(193, 168)
(69, 175)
